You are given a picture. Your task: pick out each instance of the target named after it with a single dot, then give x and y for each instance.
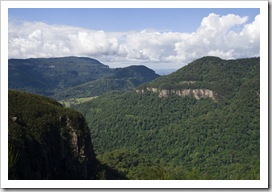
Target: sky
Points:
(158, 38)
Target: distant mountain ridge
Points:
(52, 76)
(126, 78)
(46, 76)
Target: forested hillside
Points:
(48, 142)
(185, 133)
(223, 77)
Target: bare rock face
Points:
(76, 148)
(196, 93)
(48, 141)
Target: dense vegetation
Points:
(73, 77)
(47, 141)
(134, 165)
(222, 76)
(135, 135)
(182, 137)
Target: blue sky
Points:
(158, 38)
(119, 20)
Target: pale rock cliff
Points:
(196, 93)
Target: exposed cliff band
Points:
(196, 93)
(47, 141)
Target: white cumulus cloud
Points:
(228, 36)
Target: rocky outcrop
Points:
(77, 150)
(47, 141)
(196, 93)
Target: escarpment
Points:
(196, 93)
(47, 141)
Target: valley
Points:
(201, 122)
(75, 101)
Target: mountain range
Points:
(70, 77)
(200, 122)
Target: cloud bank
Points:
(228, 36)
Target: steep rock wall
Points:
(196, 93)
(47, 141)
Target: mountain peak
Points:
(210, 58)
(222, 77)
(136, 71)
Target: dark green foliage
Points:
(41, 140)
(185, 137)
(222, 76)
(137, 73)
(105, 172)
(134, 165)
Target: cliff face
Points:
(47, 141)
(196, 93)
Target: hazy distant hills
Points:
(66, 77)
(200, 122)
(120, 79)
